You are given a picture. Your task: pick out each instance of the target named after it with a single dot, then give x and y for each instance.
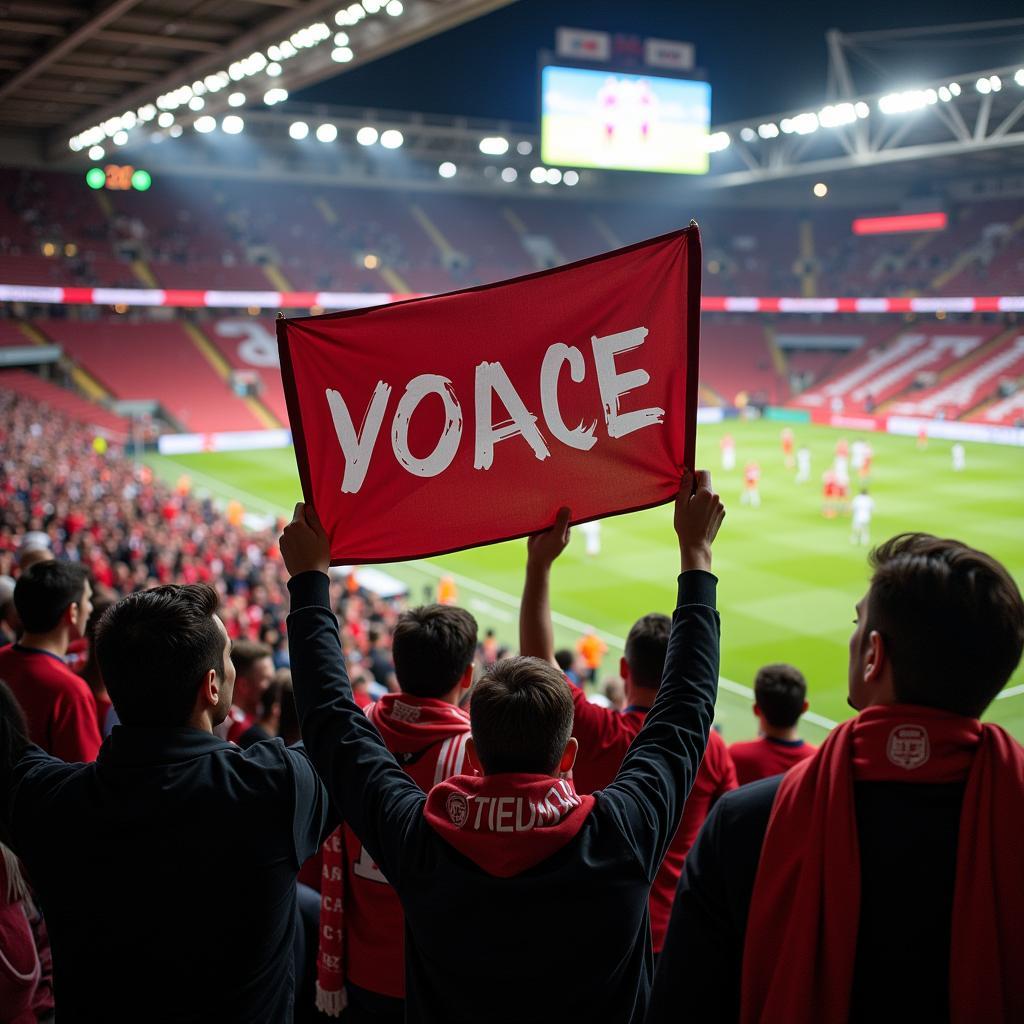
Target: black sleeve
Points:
(310, 821)
(700, 965)
(647, 795)
(366, 785)
(27, 791)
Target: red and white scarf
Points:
(507, 823)
(428, 737)
(807, 889)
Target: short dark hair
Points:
(563, 658)
(952, 619)
(245, 653)
(521, 717)
(780, 691)
(154, 647)
(646, 649)
(46, 590)
(432, 647)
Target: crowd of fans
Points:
(464, 834)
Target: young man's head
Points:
(780, 696)
(521, 719)
(164, 658)
(643, 660)
(942, 625)
(433, 649)
(54, 600)
(254, 669)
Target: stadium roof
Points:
(67, 65)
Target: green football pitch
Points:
(789, 578)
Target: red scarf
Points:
(507, 823)
(807, 891)
(428, 738)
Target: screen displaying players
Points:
(624, 122)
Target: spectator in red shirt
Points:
(254, 669)
(54, 602)
(780, 698)
(605, 734)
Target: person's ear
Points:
(757, 712)
(471, 753)
(209, 690)
(874, 657)
(467, 677)
(568, 756)
(624, 670)
(803, 710)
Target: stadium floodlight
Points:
(298, 130)
(769, 130)
(205, 124)
(272, 96)
(327, 132)
(356, 11)
(802, 124)
(372, 6)
(944, 94)
(861, 109)
(236, 99)
(571, 178)
(983, 85)
(392, 138)
(166, 119)
(553, 176)
(539, 175)
(367, 135)
(232, 124)
(494, 145)
(273, 69)
(447, 169)
(820, 189)
(97, 153)
(120, 138)
(996, 82)
(509, 174)
(341, 54)
(196, 103)
(835, 115)
(175, 131)
(717, 141)
(341, 39)
(395, 8)
(274, 52)
(908, 101)
(75, 144)
(213, 83)
(524, 147)
(287, 50)
(1018, 77)
(129, 120)
(954, 88)
(748, 135)
(147, 112)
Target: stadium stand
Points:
(737, 358)
(159, 362)
(65, 402)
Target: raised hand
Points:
(544, 547)
(698, 515)
(304, 544)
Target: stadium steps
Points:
(72, 405)
(326, 210)
(433, 232)
(602, 227)
(809, 275)
(779, 360)
(223, 369)
(84, 380)
(981, 354)
(141, 269)
(395, 279)
(275, 276)
(514, 220)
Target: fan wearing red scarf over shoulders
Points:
(361, 960)
(880, 878)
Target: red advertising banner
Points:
(447, 422)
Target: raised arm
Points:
(368, 788)
(536, 635)
(651, 787)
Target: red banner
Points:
(447, 422)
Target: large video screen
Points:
(624, 122)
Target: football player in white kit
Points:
(959, 457)
(863, 506)
(592, 535)
(803, 464)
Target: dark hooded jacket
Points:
(523, 901)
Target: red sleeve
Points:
(74, 734)
(726, 774)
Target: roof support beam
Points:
(67, 44)
(166, 42)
